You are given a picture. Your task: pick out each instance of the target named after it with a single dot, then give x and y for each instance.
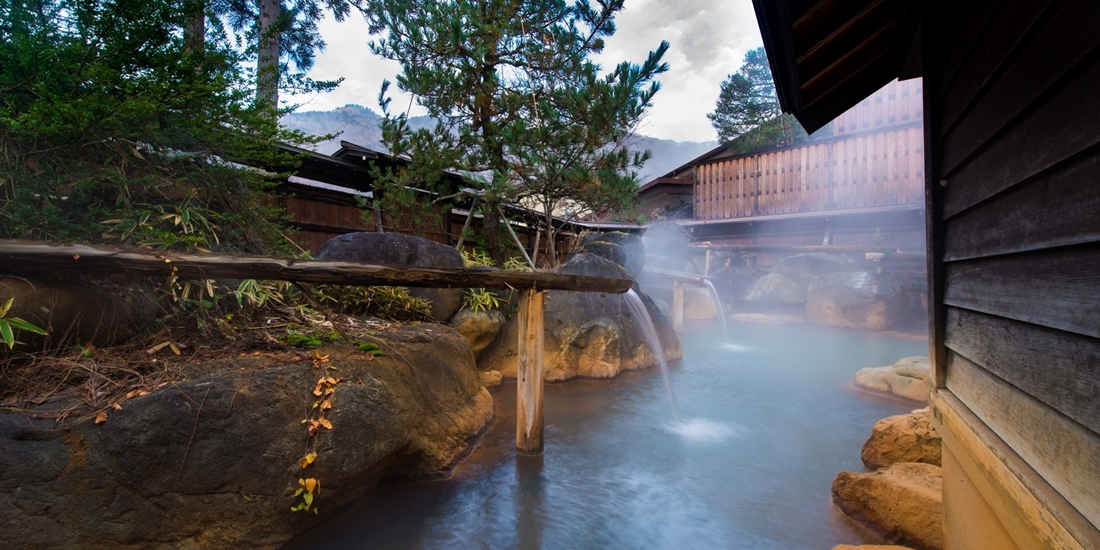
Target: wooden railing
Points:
(23, 257)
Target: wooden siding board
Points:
(965, 25)
(1055, 50)
(1006, 33)
(1059, 208)
(1058, 368)
(1062, 452)
(1038, 141)
(1058, 288)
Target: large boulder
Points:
(775, 289)
(586, 334)
(802, 268)
(625, 249)
(212, 463)
(90, 310)
(903, 438)
(666, 245)
(910, 378)
(699, 303)
(856, 299)
(368, 247)
(478, 327)
(903, 503)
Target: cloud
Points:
(708, 40)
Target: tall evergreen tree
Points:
(747, 115)
(114, 128)
(493, 73)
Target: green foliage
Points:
(476, 258)
(479, 299)
(9, 324)
(515, 263)
(109, 122)
(388, 302)
(748, 114)
(521, 108)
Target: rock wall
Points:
(587, 334)
(212, 463)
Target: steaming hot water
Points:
(768, 419)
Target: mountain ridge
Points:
(359, 125)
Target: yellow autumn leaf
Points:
(310, 484)
(307, 460)
(101, 417)
(175, 349)
(326, 404)
(326, 423)
(317, 391)
(116, 407)
(330, 380)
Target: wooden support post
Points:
(529, 373)
(678, 306)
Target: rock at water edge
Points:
(903, 503)
(903, 438)
(910, 378)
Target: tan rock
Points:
(478, 327)
(490, 378)
(910, 378)
(699, 304)
(903, 438)
(766, 318)
(903, 503)
(871, 547)
(775, 288)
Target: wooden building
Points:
(858, 181)
(329, 195)
(1012, 203)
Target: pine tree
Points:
(747, 115)
(510, 82)
(115, 128)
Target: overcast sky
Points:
(708, 37)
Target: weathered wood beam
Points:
(24, 257)
(529, 382)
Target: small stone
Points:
(490, 378)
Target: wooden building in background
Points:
(858, 181)
(1012, 205)
(329, 195)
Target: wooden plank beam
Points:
(21, 257)
(529, 382)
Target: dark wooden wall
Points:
(1013, 98)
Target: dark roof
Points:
(827, 55)
(665, 182)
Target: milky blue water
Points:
(768, 419)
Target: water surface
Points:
(768, 419)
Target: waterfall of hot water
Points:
(641, 316)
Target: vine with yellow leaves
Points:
(315, 420)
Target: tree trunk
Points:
(551, 244)
(194, 34)
(490, 230)
(267, 62)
